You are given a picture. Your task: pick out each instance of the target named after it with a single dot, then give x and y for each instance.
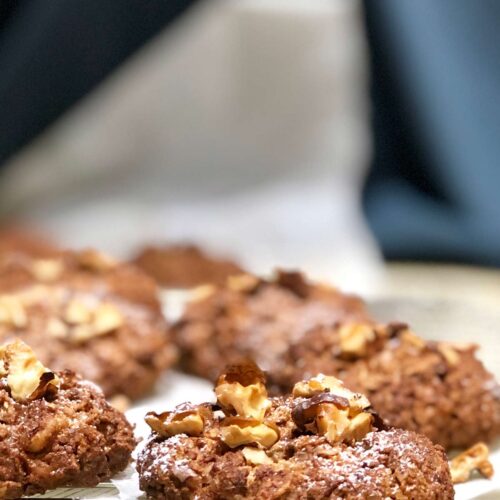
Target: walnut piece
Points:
(47, 270)
(475, 458)
(449, 353)
(185, 419)
(57, 329)
(241, 389)
(42, 438)
(325, 383)
(77, 313)
(325, 407)
(96, 261)
(409, 338)
(120, 402)
(202, 292)
(27, 378)
(355, 338)
(87, 322)
(246, 283)
(237, 431)
(12, 312)
(107, 318)
(254, 456)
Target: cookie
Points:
(184, 266)
(323, 441)
(295, 329)
(16, 239)
(439, 389)
(256, 318)
(85, 312)
(56, 430)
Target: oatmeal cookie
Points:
(184, 266)
(56, 430)
(323, 441)
(85, 312)
(255, 318)
(439, 389)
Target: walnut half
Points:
(27, 378)
(185, 419)
(237, 431)
(241, 389)
(325, 407)
(475, 458)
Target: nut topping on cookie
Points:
(241, 389)
(324, 383)
(237, 431)
(185, 419)
(27, 378)
(325, 407)
(354, 339)
(202, 292)
(409, 338)
(91, 322)
(449, 353)
(47, 270)
(243, 282)
(96, 261)
(475, 458)
(254, 456)
(12, 312)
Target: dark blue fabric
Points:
(434, 188)
(53, 52)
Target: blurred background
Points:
(321, 134)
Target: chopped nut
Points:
(241, 389)
(324, 406)
(359, 427)
(56, 328)
(185, 419)
(449, 353)
(38, 293)
(328, 384)
(354, 339)
(200, 293)
(107, 318)
(120, 402)
(26, 376)
(77, 313)
(475, 458)
(306, 411)
(243, 282)
(12, 311)
(316, 385)
(47, 270)
(81, 333)
(42, 438)
(236, 431)
(96, 261)
(408, 337)
(254, 456)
